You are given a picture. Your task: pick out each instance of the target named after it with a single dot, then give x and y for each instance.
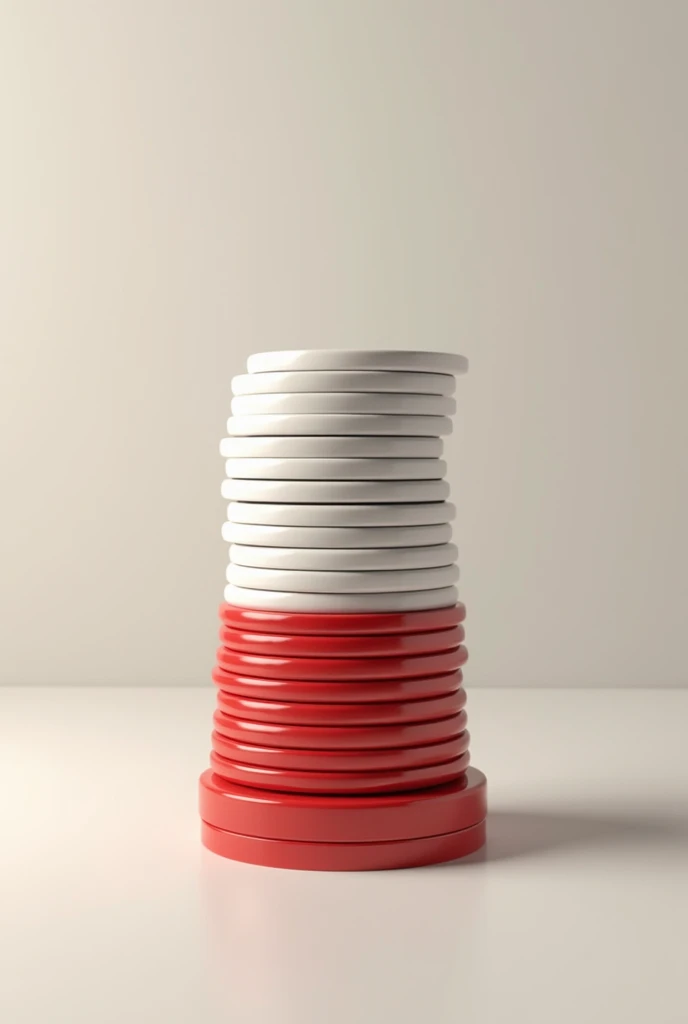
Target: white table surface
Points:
(110, 910)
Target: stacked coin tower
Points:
(340, 738)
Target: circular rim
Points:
(352, 819)
(335, 469)
(336, 536)
(297, 713)
(299, 856)
(349, 737)
(353, 647)
(335, 492)
(415, 600)
(435, 556)
(361, 582)
(359, 760)
(339, 447)
(341, 669)
(431, 513)
(372, 691)
(334, 402)
(368, 624)
(327, 424)
(349, 783)
(298, 381)
(357, 359)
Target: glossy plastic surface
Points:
(336, 536)
(296, 381)
(320, 402)
(324, 425)
(357, 359)
(336, 469)
(367, 624)
(335, 492)
(338, 447)
(370, 691)
(296, 713)
(390, 645)
(329, 669)
(300, 601)
(278, 559)
(429, 513)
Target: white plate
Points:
(276, 600)
(423, 514)
(335, 492)
(357, 359)
(336, 536)
(374, 582)
(289, 382)
(342, 423)
(335, 469)
(342, 402)
(344, 559)
(341, 447)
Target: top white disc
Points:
(291, 382)
(357, 359)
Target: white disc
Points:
(357, 359)
(374, 582)
(336, 536)
(341, 447)
(335, 492)
(289, 382)
(276, 600)
(335, 469)
(423, 514)
(342, 402)
(339, 423)
(344, 559)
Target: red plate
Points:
(337, 782)
(341, 668)
(343, 819)
(405, 853)
(342, 714)
(257, 621)
(372, 691)
(348, 737)
(380, 646)
(390, 759)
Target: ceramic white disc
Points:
(341, 447)
(336, 536)
(344, 559)
(335, 492)
(335, 469)
(423, 514)
(289, 382)
(357, 359)
(275, 600)
(339, 423)
(343, 402)
(373, 582)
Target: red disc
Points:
(379, 646)
(282, 780)
(372, 691)
(257, 621)
(404, 853)
(348, 737)
(344, 819)
(342, 714)
(389, 759)
(341, 668)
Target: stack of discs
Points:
(340, 738)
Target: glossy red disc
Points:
(344, 819)
(341, 668)
(348, 737)
(380, 646)
(342, 714)
(257, 621)
(281, 780)
(389, 759)
(371, 691)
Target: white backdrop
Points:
(183, 182)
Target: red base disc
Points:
(392, 759)
(324, 669)
(342, 714)
(257, 621)
(344, 819)
(382, 646)
(338, 782)
(373, 691)
(385, 856)
(350, 737)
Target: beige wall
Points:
(185, 181)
